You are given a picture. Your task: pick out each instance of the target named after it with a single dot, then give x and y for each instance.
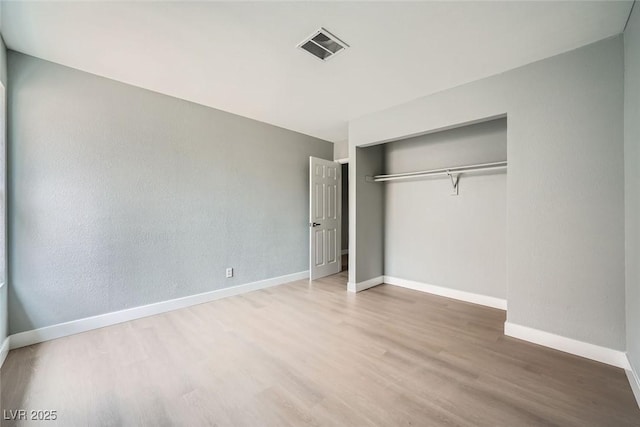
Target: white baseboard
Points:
(448, 292)
(345, 251)
(4, 350)
(568, 345)
(361, 286)
(35, 336)
(634, 380)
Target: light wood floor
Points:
(312, 354)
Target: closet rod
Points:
(444, 171)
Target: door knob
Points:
(315, 224)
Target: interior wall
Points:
(3, 62)
(632, 183)
(3, 206)
(431, 237)
(121, 197)
(565, 192)
(345, 206)
(366, 215)
(341, 150)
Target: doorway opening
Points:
(345, 217)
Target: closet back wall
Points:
(122, 197)
(431, 237)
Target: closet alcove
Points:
(443, 201)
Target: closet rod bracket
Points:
(455, 178)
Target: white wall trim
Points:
(342, 161)
(448, 292)
(4, 350)
(345, 251)
(568, 345)
(361, 286)
(634, 380)
(47, 333)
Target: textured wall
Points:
(565, 192)
(632, 183)
(121, 197)
(432, 237)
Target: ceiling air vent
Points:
(323, 45)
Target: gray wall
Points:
(632, 183)
(565, 192)
(121, 197)
(432, 237)
(366, 215)
(3, 259)
(3, 62)
(345, 207)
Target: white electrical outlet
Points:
(229, 272)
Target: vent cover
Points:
(323, 45)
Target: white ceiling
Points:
(241, 57)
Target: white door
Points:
(325, 212)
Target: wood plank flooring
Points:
(312, 354)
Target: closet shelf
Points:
(453, 172)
